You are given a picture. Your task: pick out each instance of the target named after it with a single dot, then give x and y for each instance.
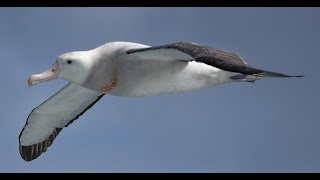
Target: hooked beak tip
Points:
(50, 74)
(31, 81)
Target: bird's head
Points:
(69, 66)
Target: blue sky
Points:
(268, 126)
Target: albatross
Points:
(126, 69)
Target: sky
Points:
(271, 125)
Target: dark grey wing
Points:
(193, 50)
(46, 121)
(211, 56)
(243, 69)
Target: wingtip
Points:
(25, 156)
(298, 76)
(295, 76)
(276, 75)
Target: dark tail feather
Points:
(244, 78)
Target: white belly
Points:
(148, 78)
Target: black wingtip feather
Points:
(274, 74)
(29, 153)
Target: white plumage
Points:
(126, 69)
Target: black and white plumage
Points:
(126, 69)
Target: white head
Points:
(71, 66)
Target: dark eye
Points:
(69, 61)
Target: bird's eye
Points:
(69, 61)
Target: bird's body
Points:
(179, 76)
(136, 76)
(126, 69)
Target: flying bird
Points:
(126, 69)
